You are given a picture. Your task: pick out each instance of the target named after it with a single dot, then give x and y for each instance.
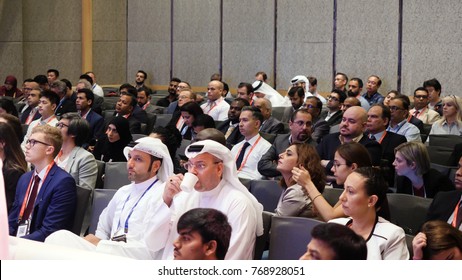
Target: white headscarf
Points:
(229, 172)
(156, 148)
(302, 79)
(276, 99)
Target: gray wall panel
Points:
(432, 40)
(12, 61)
(149, 21)
(11, 57)
(153, 58)
(110, 62)
(109, 20)
(367, 40)
(248, 40)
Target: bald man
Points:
(216, 106)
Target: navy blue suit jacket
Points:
(54, 207)
(96, 124)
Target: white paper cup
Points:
(189, 180)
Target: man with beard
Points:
(140, 78)
(300, 132)
(172, 93)
(296, 96)
(355, 86)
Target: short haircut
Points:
(405, 100)
(420, 89)
(211, 134)
(299, 111)
(386, 113)
(225, 86)
(415, 152)
(52, 136)
(318, 101)
(144, 73)
(78, 127)
(379, 83)
(86, 83)
(175, 79)
(147, 90)
(88, 93)
(248, 86)
(345, 243)
(8, 106)
(192, 94)
(342, 95)
(54, 71)
(211, 225)
(60, 85)
(133, 100)
(50, 95)
(433, 83)
(41, 79)
(215, 77)
(242, 100)
(87, 77)
(256, 113)
(130, 89)
(360, 82)
(345, 77)
(204, 120)
(296, 90)
(313, 81)
(263, 74)
(68, 83)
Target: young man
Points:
(399, 108)
(355, 86)
(204, 234)
(46, 108)
(433, 87)
(320, 127)
(144, 101)
(335, 100)
(296, 97)
(52, 75)
(249, 151)
(140, 79)
(46, 197)
(245, 91)
(172, 93)
(340, 81)
(134, 209)
(84, 102)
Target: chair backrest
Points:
(163, 119)
(108, 114)
(83, 200)
(181, 150)
(289, 237)
(99, 177)
(278, 112)
(262, 242)
(137, 136)
(439, 154)
(115, 175)
(332, 195)
(444, 140)
(101, 199)
(408, 211)
(150, 123)
(443, 169)
(267, 192)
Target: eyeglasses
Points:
(420, 96)
(309, 106)
(61, 125)
(200, 166)
(394, 108)
(337, 165)
(332, 98)
(32, 142)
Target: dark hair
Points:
(440, 236)
(360, 82)
(68, 83)
(123, 128)
(211, 134)
(225, 86)
(60, 85)
(342, 74)
(301, 111)
(404, 99)
(342, 95)
(265, 77)
(8, 106)
(318, 101)
(433, 83)
(174, 79)
(256, 113)
(133, 101)
(354, 152)
(50, 95)
(86, 77)
(14, 157)
(41, 79)
(147, 90)
(386, 114)
(420, 89)
(247, 86)
(15, 124)
(144, 73)
(211, 225)
(296, 90)
(88, 93)
(78, 127)
(130, 89)
(54, 71)
(192, 108)
(204, 120)
(170, 136)
(313, 81)
(242, 100)
(345, 243)
(375, 184)
(379, 83)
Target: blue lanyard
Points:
(133, 208)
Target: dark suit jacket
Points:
(272, 126)
(417, 122)
(319, 130)
(54, 207)
(173, 107)
(329, 144)
(65, 107)
(268, 162)
(26, 113)
(96, 125)
(235, 136)
(139, 114)
(335, 119)
(389, 143)
(434, 182)
(455, 155)
(443, 205)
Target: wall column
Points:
(87, 35)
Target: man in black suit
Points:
(300, 132)
(137, 112)
(320, 127)
(446, 204)
(378, 117)
(30, 113)
(65, 105)
(84, 101)
(334, 113)
(270, 124)
(124, 107)
(351, 129)
(230, 128)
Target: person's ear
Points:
(372, 200)
(354, 166)
(50, 150)
(211, 248)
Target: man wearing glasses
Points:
(320, 127)
(218, 187)
(45, 197)
(335, 100)
(399, 108)
(421, 110)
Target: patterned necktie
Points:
(32, 197)
(241, 155)
(229, 131)
(416, 113)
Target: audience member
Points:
(109, 147)
(451, 122)
(171, 138)
(415, 177)
(296, 97)
(134, 208)
(97, 89)
(245, 91)
(390, 96)
(65, 105)
(124, 108)
(144, 101)
(140, 79)
(341, 81)
(365, 193)
(42, 81)
(270, 124)
(437, 241)
(46, 197)
(294, 200)
(249, 151)
(312, 88)
(7, 106)
(350, 102)
(204, 234)
(216, 106)
(372, 95)
(399, 109)
(52, 75)
(230, 128)
(84, 102)
(172, 93)
(137, 112)
(333, 115)
(30, 113)
(200, 123)
(261, 76)
(211, 134)
(14, 123)
(355, 86)
(263, 90)
(184, 97)
(421, 110)
(320, 127)
(331, 241)
(433, 87)
(10, 88)
(189, 112)
(301, 82)
(174, 106)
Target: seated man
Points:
(219, 188)
(230, 128)
(144, 101)
(249, 151)
(124, 107)
(204, 234)
(46, 197)
(84, 103)
(216, 106)
(133, 209)
(320, 127)
(270, 124)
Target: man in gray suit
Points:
(270, 124)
